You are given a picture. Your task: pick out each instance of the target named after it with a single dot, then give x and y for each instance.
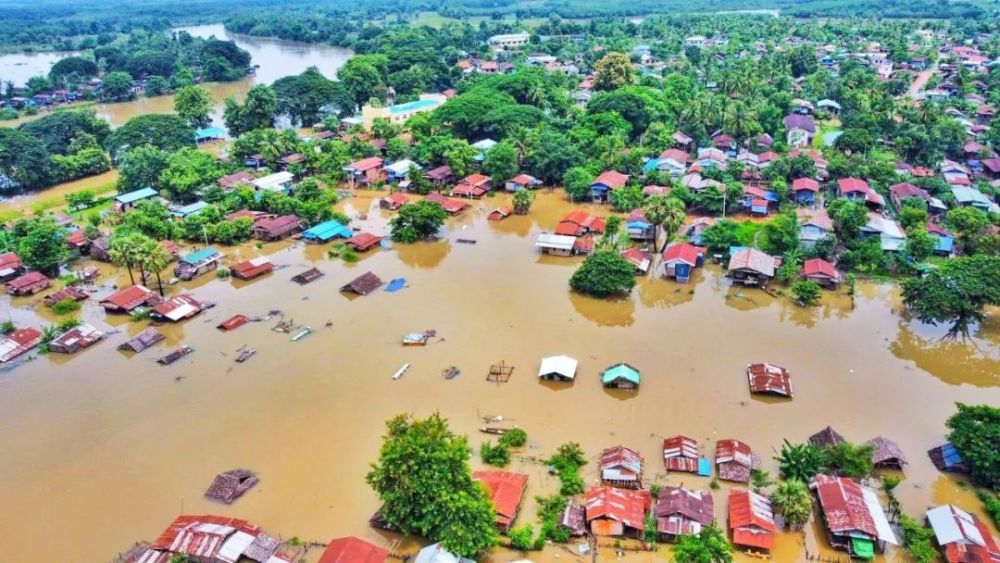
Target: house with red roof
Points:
(130, 298)
(277, 228)
(750, 266)
(963, 537)
(365, 172)
(821, 272)
(352, 550)
(614, 512)
(607, 182)
(639, 259)
(578, 223)
(621, 466)
(176, 308)
(28, 284)
(392, 202)
(252, 268)
(500, 213)
(19, 342)
(859, 190)
(522, 182)
(854, 517)
(751, 520)
(805, 190)
(680, 259)
(363, 242)
(800, 130)
(680, 453)
(451, 205)
(212, 539)
(473, 186)
(681, 511)
(734, 460)
(10, 266)
(506, 491)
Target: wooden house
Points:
(750, 266)
(769, 379)
(500, 213)
(326, 231)
(233, 181)
(680, 453)
(473, 186)
(681, 511)
(558, 368)
(579, 223)
(71, 293)
(352, 550)
(522, 182)
(854, 517)
(962, 537)
(363, 242)
(734, 460)
(826, 437)
(639, 259)
(680, 260)
(804, 190)
(886, 454)
(440, 176)
(451, 205)
(19, 342)
(363, 284)
(28, 284)
(366, 172)
(621, 467)
(277, 228)
(10, 266)
(605, 183)
(946, 458)
(822, 272)
(639, 228)
(75, 339)
(197, 263)
(231, 485)
(177, 308)
(614, 512)
(392, 202)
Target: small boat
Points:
(245, 354)
(175, 355)
(415, 339)
(399, 373)
(450, 372)
(494, 430)
(493, 418)
(302, 333)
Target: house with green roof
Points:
(620, 376)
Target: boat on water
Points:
(302, 333)
(415, 339)
(399, 373)
(175, 355)
(494, 430)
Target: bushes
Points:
(514, 438)
(66, 306)
(522, 537)
(918, 540)
(498, 456)
(806, 292)
(567, 462)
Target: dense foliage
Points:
(975, 432)
(603, 274)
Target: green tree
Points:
(666, 212)
(955, 293)
(256, 112)
(117, 86)
(791, 498)
(720, 236)
(418, 221)
(603, 274)
(194, 105)
(514, 438)
(362, 79)
(24, 160)
(186, 172)
(522, 201)
(799, 461)
(166, 132)
(521, 537)
(614, 70)
(57, 130)
(970, 225)
(577, 181)
(806, 292)
(709, 545)
(424, 482)
(501, 162)
(495, 455)
(65, 68)
(851, 460)
(919, 244)
(975, 432)
(626, 198)
(919, 540)
(911, 216)
(41, 247)
(848, 218)
(156, 86)
(154, 258)
(124, 252)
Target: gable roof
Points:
(769, 378)
(683, 252)
(808, 184)
(798, 121)
(751, 519)
(611, 179)
(506, 490)
(752, 259)
(693, 505)
(622, 505)
(130, 297)
(363, 284)
(352, 550)
(851, 509)
(818, 266)
(365, 164)
(620, 463)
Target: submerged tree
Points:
(710, 545)
(423, 479)
(603, 274)
(799, 461)
(956, 293)
(975, 431)
(791, 498)
(522, 201)
(418, 221)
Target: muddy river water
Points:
(102, 449)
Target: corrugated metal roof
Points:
(769, 378)
(506, 490)
(561, 365)
(352, 550)
(751, 519)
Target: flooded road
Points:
(107, 448)
(276, 58)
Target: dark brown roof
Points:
(230, 485)
(363, 284)
(826, 437)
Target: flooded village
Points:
(231, 406)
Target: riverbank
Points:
(142, 441)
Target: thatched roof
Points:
(230, 485)
(826, 437)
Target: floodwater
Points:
(276, 58)
(108, 448)
(19, 67)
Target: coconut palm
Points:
(154, 259)
(522, 201)
(791, 499)
(122, 253)
(665, 211)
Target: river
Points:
(19, 67)
(101, 449)
(276, 58)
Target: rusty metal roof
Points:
(506, 490)
(130, 297)
(363, 284)
(769, 378)
(620, 505)
(693, 505)
(352, 550)
(620, 463)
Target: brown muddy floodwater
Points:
(276, 58)
(102, 449)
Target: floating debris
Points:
(302, 333)
(500, 373)
(175, 355)
(245, 354)
(233, 323)
(396, 285)
(495, 430)
(466, 241)
(399, 372)
(450, 372)
(415, 339)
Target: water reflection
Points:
(423, 255)
(973, 360)
(618, 312)
(663, 293)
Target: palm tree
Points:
(666, 211)
(155, 258)
(791, 498)
(121, 251)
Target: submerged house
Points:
(556, 245)
(579, 223)
(946, 458)
(10, 266)
(681, 511)
(252, 268)
(558, 368)
(198, 263)
(826, 437)
(28, 284)
(751, 520)
(365, 172)
(213, 539)
(277, 228)
(176, 309)
(522, 182)
(473, 186)
(613, 512)
(750, 266)
(769, 379)
(363, 284)
(392, 202)
(145, 339)
(621, 467)
(363, 242)
(638, 226)
(607, 182)
(639, 259)
(854, 518)
(352, 550)
(130, 298)
(19, 342)
(506, 491)
(451, 205)
(680, 260)
(734, 460)
(963, 537)
(680, 453)
(75, 339)
(326, 231)
(620, 376)
(230, 485)
(820, 271)
(887, 453)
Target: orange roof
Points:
(352, 550)
(612, 179)
(506, 490)
(475, 179)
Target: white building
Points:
(279, 181)
(398, 114)
(509, 41)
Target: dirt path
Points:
(921, 80)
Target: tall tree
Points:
(154, 258)
(423, 479)
(23, 160)
(167, 132)
(613, 70)
(194, 105)
(42, 246)
(956, 293)
(707, 546)
(123, 251)
(501, 162)
(975, 431)
(666, 212)
(256, 112)
(791, 498)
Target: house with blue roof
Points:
(189, 210)
(326, 231)
(126, 201)
(209, 134)
(198, 263)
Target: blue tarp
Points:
(704, 467)
(209, 133)
(326, 231)
(395, 285)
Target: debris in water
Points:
(302, 333)
(245, 354)
(395, 285)
(450, 372)
(175, 355)
(399, 373)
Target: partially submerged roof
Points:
(506, 490)
(886, 451)
(564, 366)
(143, 340)
(752, 259)
(198, 256)
(851, 509)
(620, 371)
(363, 284)
(826, 437)
(352, 550)
(769, 378)
(751, 519)
(230, 485)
